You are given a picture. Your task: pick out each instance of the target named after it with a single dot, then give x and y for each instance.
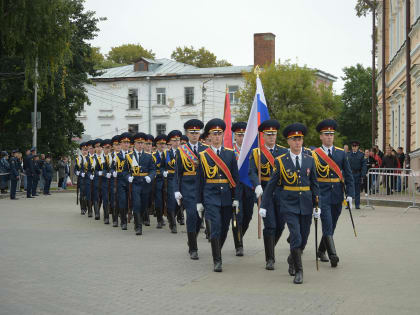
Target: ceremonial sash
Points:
(157, 157)
(219, 162)
(330, 162)
(189, 153)
(268, 155)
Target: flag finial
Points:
(257, 70)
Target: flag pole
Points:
(257, 71)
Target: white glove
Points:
(349, 200)
(100, 173)
(262, 212)
(92, 177)
(77, 173)
(114, 173)
(108, 175)
(178, 195)
(200, 209)
(148, 180)
(165, 174)
(130, 179)
(317, 213)
(83, 175)
(258, 191)
(235, 204)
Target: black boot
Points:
(96, 208)
(123, 214)
(172, 222)
(83, 206)
(269, 252)
(180, 217)
(291, 265)
(332, 254)
(159, 218)
(297, 259)
(217, 254)
(192, 245)
(146, 217)
(106, 213)
(321, 250)
(137, 223)
(237, 239)
(89, 208)
(114, 216)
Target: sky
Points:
(322, 34)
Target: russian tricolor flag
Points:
(258, 114)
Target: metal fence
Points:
(392, 184)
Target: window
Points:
(133, 128)
(189, 96)
(233, 89)
(161, 96)
(417, 8)
(133, 98)
(160, 129)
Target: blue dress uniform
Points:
(295, 190)
(47, 172)
(359, 168)
(143, 170)
(246, 199)
(147, 190)
(273, 222)
(36, 175)
(89, 178)
(170, 165)
(114, 183)
(123, 172)
(218, 190)
(331, 190)
(29, 172)
(158, 158)
(14, 175)
(106, 179)
(186, 179)
(78, 170)
(97, 180)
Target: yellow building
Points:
(398, 47)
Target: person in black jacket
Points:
(14, 174)
(29, 169)
(389, 161)
(4, 172)
(36, 175)
(47, 172)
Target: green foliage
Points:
(66, 96)
(363, 7)
(355, 121)
(201, 58)
(100, 62)
(292, 95)
(128, 53)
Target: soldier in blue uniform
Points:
(36, 175)
(295, 189)
(142, 171)
(14, 173)
(98, 177)
(246, 195)
(170, 165)
(90, 176)
(47, 172)
(334, 177)
(29, 168)
(114, 180)
(106, 192)
(80, 170)
(158, 158)
(219, 189)
(147, 191)
(358, 167)
(186, 179)
(273, 220)
(122, 168)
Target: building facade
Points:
(398, 82)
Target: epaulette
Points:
(307, 149)
(280, 156)
(228, 149)
(280, 146)
(339, 148)
(206, 145)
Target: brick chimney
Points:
(264, 48)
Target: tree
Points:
(355, 118)
(292, 96)
(100, 62)
(129, 53)
(66, 96)
(363, 7)
(201, 58)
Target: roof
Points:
(168, 67)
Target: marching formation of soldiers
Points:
(134, 176)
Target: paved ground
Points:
(55, 261)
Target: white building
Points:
(157, 96)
